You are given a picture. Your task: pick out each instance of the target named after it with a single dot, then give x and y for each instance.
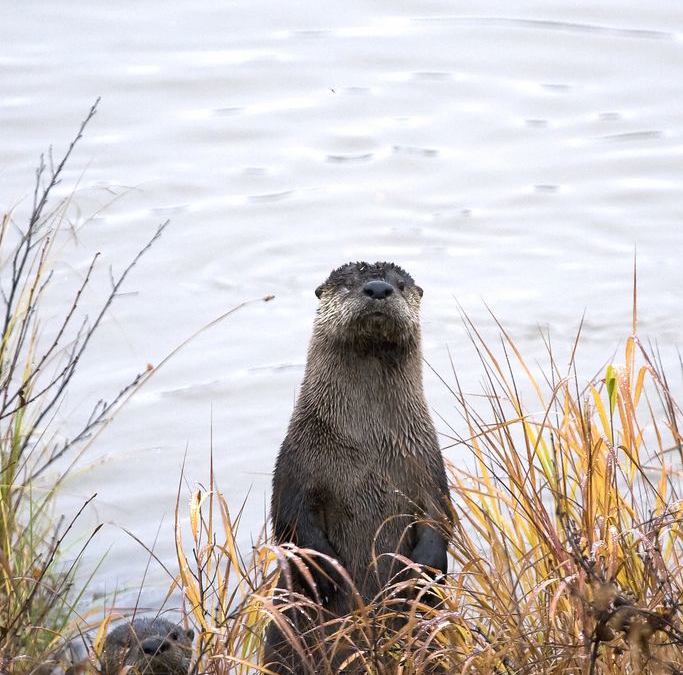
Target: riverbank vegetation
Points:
(567, 556)
(40, 351)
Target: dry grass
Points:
(569, 548)
(38, 598)
(567, 556)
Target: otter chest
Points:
(376, 479)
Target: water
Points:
(516, 156)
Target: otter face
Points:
(148, 647)
(364, 304)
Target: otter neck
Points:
(370, 397)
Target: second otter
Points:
(149, 646)
(360, 473)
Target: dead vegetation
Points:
(567, 556)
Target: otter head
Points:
(148, 647)
(367, 306)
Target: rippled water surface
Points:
(514, 154)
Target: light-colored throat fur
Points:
(371, 401)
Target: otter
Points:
(149, 646)
(359, 475)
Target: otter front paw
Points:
(326, 588)
(431, 553)
(322, 582)
(430, 556)
(431, 550)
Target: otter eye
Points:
(319, 291)
(401, 285)
(420, 292)
(174, 636)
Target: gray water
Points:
(513, 154)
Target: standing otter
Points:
(359, 475)
(148, 647)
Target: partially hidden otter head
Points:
(366, 306)
(149, 646)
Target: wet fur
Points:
(360, 470)
(123, 647)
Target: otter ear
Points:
(190, 634)
(419, 290)
(319, 290)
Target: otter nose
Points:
(378, 290)
(152, 646)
